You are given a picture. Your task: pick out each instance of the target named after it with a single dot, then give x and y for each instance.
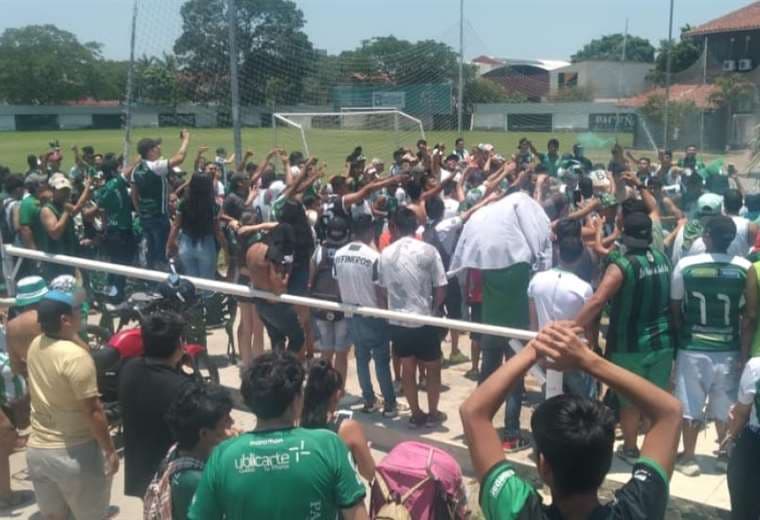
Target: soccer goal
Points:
(331, 136)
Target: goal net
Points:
(378, 131)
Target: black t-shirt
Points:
(505, 496)
(146, 390)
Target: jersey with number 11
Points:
(711, 289)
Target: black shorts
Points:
(422, 343)
(476, 316)
(453, 302)
(244, 280)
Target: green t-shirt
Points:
(29, 215)
(114, 199)
(505, 496)
(710, 288)
(292, 473)
(66, 244)
(639, 310)
(551, 163)
(184, 483)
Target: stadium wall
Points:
(550, 117)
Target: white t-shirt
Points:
(450, 207)
(409, 270)
(355, 265)
(448, 231)
(558, 295)
(748, 388)
(159, 167)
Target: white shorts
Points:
(333, 335)
(710, 378)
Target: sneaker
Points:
(370, 407)
(438, 418)
(472, 374)
(390, 413)
(418, 421)
(688, 467)
(514, 444)
(457, 358)
(628, 455)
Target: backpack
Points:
(157, 504)
(420, 482)
(325, 284)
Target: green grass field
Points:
(331, 146)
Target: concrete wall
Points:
(603, 78)
(564, 116)
(74, 121)
(7, 123)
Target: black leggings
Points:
(743, 476)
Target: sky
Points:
(549, 29)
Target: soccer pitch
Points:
(331, 146)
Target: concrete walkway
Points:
(702, 497)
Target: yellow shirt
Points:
(61, 374)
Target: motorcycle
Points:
(175, 294)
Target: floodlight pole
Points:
(460, 93)
(668, 78)
(130, 89)
(234, 84)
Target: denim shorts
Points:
(333, 335)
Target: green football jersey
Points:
(639, 311)
(711, 289)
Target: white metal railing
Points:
(245, 291)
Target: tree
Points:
(158, 80)
(271, 44)
(610, 47)
(572, 94)
(686, 51)
(41, 64)
(482, 90)
(732, 91)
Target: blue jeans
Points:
(156, 233)
(494, 351)
(198, 258)
(371, 341)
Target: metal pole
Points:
(130, 88)
(460, 93)
(702, 118)
(620, 77)
(668, 71)
(234, 85)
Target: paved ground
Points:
(702, 497)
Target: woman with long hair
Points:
(195, 230)
(324, 388)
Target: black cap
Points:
(721, 229)
(145, 145)
(637, 230)
(361, 223)
(88, 150)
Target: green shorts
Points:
(505, 296)
(654, 366)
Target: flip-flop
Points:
(17, 499)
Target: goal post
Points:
(331, 136)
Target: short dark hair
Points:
(405, 221)
(586, 186)
(162, 332)
(434, 208)
(32, 161)
(197, 407)
(421, 141)
(568, 228)
(722, 231)
(337, 183)
(570, 249)
(459, 140)
(633, 206)
(237, 180)
(322, 383)
(732, 201)
(271, 383)
(554, 142)
(13, 182)
(49, 314)
(414, 189)
(575, 436)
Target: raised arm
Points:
(610, 284)
(197, 163)
(241, 165)
(179, 157)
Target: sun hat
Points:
(30, 290)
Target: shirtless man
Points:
(269, 263)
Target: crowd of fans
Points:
(638, 275)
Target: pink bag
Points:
(433, 477)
